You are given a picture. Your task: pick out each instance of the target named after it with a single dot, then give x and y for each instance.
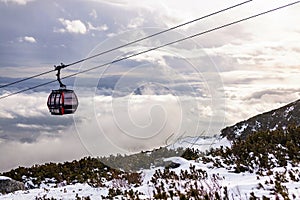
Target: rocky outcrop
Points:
(8, 185)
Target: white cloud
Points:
(136, 22)
(94, 14)
(27, 39)
(281, 52)
(110, 35)
(78, 27)
(30, 39)
(104, 27)
(24, 71)
(45, 149)
(32, 126)
(139, 122)
(24, 105)
(72, 26)
(250, 91)
(19, 2)
(6, 114)
(170, 12)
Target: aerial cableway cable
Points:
(160, 32)
(130, 43)
(161, 46)
(26, 79)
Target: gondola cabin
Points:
(62, 102)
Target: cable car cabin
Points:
(62, 101)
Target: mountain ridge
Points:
(279, 118)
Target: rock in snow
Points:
(8, 185)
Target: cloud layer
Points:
(20, 2)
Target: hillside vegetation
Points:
(261, 153)
(93, 171)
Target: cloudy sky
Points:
(194, 87)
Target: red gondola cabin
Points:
(62, 101)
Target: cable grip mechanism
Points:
(58, 68)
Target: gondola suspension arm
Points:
(58, 68)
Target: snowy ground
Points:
(4, 178)
(239, 185)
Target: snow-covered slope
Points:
(186, 178)
(200, 143)
(279, 118)
(238, 186)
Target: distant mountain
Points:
(152, 89)
(279, 118)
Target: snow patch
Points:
(67, 192)
(4, 178)
(177, 160)
(288, 110)
(239, 131)
(274, 128)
